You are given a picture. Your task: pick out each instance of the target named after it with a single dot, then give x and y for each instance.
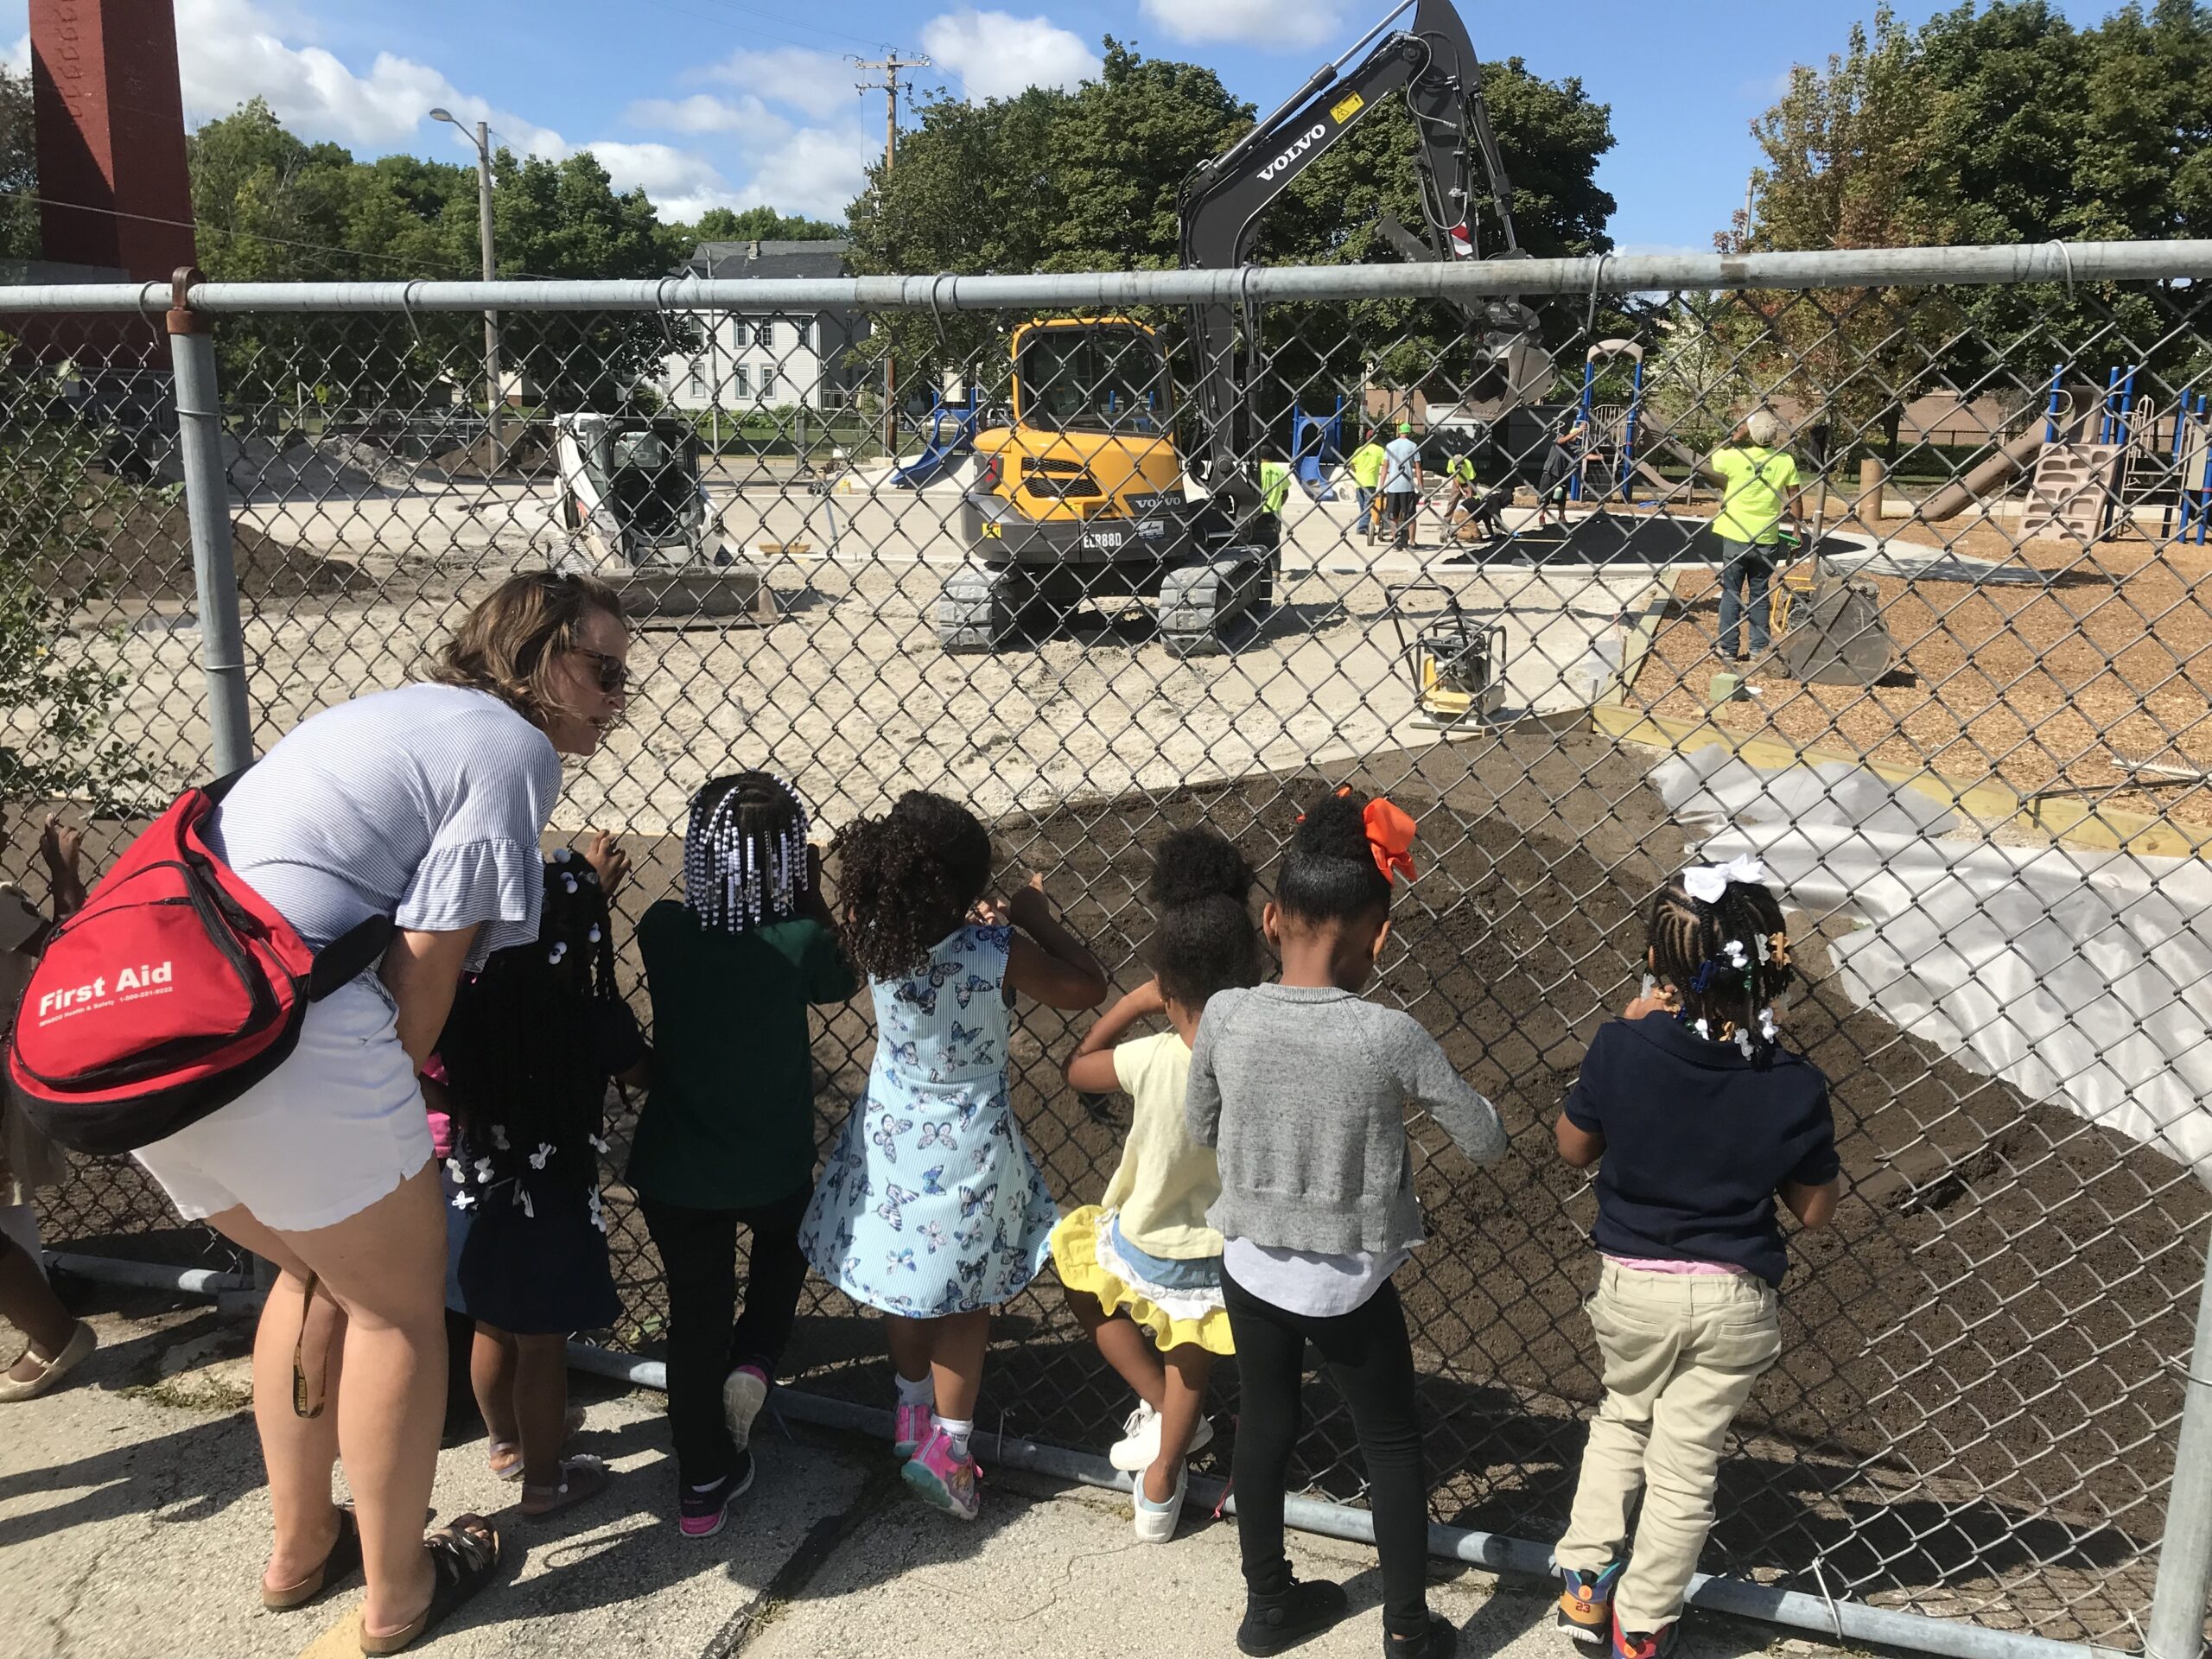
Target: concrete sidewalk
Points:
(133, 1522)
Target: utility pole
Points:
(888, 65)
(494, 393)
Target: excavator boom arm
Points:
(1431, 60)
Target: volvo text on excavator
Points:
(1083, 489)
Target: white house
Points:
(765, 359)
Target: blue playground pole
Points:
(2204, 489)
(2051, 408)
(2104, 412)
(2126, 426)
(1582, 413)
(1628, 435)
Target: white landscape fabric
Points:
(2083, 979)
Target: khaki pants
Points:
(1681, 1351)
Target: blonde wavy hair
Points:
(508, 645)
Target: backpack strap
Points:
(349, 956)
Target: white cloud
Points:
(17, 58)
(816, 83)
(747, 115)
(682, 183)
(233, 50)
(1271, 25)
(817, 171)
(996, 54)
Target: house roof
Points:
(726, 260)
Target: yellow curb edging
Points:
(2078, 824)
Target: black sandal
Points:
(343, 1561)
(465, 1555)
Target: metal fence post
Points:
(200, 435)
(2185, 1552)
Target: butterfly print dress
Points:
(930, 1203)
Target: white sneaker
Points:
(743, 1395)
(1157, 1525)
(1139, 1446)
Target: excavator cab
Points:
(1080, 495)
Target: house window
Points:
(803, 335)
(693, 386)
(741, 380)
(767, 383)
(764, 335)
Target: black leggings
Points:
(1372, 1363)
(707, 1339)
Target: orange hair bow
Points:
(1390, 838)
(1391, 833)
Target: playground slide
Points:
(1999, 470)
(930, 464)
(952, 436)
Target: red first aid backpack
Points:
(176, 989)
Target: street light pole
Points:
(494, 394)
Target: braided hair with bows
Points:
(1726, 959)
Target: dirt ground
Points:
(2047, 688)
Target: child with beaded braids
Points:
(1701, 1117)
(726, 1140)
(1301, 1088)
(931, 1208)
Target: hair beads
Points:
(739, 874)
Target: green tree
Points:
(756, 223)
(56, 698)
(19, 234)
(565, 218)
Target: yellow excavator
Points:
(1083, 489)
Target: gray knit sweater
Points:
(1303, 1091)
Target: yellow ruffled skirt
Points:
(1084, 1254)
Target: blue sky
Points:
(734, 102)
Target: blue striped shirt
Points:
(424, 804)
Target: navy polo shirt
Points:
(1698, 1139)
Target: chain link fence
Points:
(1091, 553)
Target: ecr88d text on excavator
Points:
(1086, 491)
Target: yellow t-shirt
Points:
(1461, 467)
(1167, 1181)
(1366, 463)
(1759, 481)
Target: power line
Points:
(213, 229)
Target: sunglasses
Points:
(614, 672)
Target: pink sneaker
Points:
(944, 1481)
(910, 1426)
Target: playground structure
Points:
(2098, 462)
(1317, 445)
(1607, 464)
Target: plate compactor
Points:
(1453, 662)
(1836, 635)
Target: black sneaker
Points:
(1275, 1623)
(700, 1515)
(1440, 1641)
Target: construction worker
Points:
(1366, 468)
(1460, 494)
(1759, 491)
(1561, 463)
(1401, 483)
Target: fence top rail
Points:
(2044, 261)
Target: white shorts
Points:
(335, 1128)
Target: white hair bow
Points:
(1706, 882)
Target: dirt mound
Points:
(519, 456)
(143, 551)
